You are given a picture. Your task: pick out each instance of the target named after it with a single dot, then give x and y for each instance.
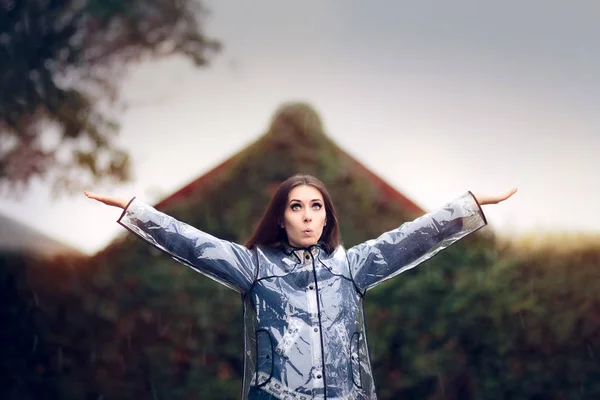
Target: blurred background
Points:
(200, 107)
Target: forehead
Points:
(305, 193)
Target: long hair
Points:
(269, 232)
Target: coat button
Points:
(319, 376)
(311, 287)
(316, 329)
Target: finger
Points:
(510, 193)
(92, 195)
(99, 197)
(505, 196)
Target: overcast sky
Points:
(435, 97)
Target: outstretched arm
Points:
(412, 243)
(227, 263)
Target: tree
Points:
(58, 69)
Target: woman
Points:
(302, 291)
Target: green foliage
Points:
(30, 341)
(499, 324)
(60, 61)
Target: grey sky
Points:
(436, 97)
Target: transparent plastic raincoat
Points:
(304, 325)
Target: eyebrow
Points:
(313, 200)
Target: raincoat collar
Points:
(315, 249)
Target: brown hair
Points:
(269, 233)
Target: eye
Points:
(317, 206)
(295, 206)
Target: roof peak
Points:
(296, 119)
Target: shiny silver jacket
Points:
(304, 325)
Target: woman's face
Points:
(304, 216)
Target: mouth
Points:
(308, 231)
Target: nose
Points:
(307, 216)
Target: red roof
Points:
(286, 113)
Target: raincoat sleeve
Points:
(228, 263)
(412, 243)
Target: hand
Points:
(114, 201)
(482, 199)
